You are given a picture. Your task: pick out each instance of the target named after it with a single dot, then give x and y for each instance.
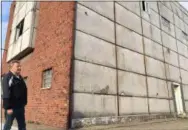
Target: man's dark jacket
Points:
(14, 91)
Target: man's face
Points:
(16, 68)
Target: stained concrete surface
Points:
(159, 125)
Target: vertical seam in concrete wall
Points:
(144, 58)
(181, 85)
(72, 69)
(117, 82)
(163, 53)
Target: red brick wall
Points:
(53, 49)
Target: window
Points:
(19, 29)
(165, 22)
(184, 35)
(47, 78)
(145, 6)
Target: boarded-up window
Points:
(165, 22)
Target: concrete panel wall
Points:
(132, 41)
(133, 105)
(129, 82)
(185, 91)
(184, 76)
(151, 31)
(94, 79)
(87, 105)
(157, 88)
(94, 50)
(186, 105)
(153, 5)
(183, 62)
(172, 108)
(153, 49)
(94, 24)
(172, 73)
(104, 8)
(165, 12)
(179, 23)
(25, 12)
(169, 41)
(116, 42)
(170, 57)
(129, 19)
(159, 105)
(170, 31)
(182, 48)
(179, 35)
(132, 6)
(127, 58)
(155, 68)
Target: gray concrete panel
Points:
(151, 31)
(169, 84)
(131, 61)
(153, 49)
(186, 105)
(133, 105)
(154, 17)
(157, 88)
(170, 57)
(183, 62)
(165, 12)
(95, 24)
(94, 50)
(179, 35)
(169, 41)
(155, 68)
(129, 82)
(185, 92)
(128, 19)
(172, 72)
(132, 6)
(170, 30)
(172, 108)
(104, 8)
(159, 105)
(90, 105)
(153, 5)
(179, 23)
(132, 41)
(184, 76)
(94, 78)
(182, 48)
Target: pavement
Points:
(13, 127)
(178, 124)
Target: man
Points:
(14, 96)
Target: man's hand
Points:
(9, 111)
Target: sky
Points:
(4, 21)
(5, 16)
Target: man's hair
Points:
(13, 62)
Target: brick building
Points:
(100, 62)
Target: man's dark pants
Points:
(19, 114)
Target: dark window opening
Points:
(144, 5)
(166, 22)
(19, 29)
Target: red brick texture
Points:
(53, 49)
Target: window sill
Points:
(46, 88)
